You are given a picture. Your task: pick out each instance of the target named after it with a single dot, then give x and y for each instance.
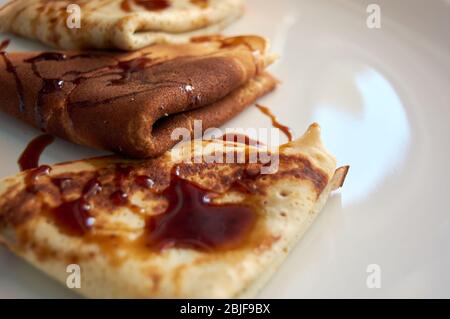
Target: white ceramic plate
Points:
(382, 97)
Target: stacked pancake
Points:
(161, 222)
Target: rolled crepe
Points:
(124, 24)
(130, 103)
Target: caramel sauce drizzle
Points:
(157, 5)
(192, 221)
(149, 5)
(275, 123)
(4, 44)
(10, 68)
(30, 156)
(187, 214)
(33, 176)
(73, 217)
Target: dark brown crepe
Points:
(130, 103)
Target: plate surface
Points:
(382, 97)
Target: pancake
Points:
(169, 227)
(123, 24)
(129, 103)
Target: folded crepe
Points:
(124, 24)
(169, 227)
(131, 102)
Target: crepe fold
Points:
(198, 250)
(124, 24)
(130, 103)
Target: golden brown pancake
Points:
(130, 103)
(123, 24)
(168, 227)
